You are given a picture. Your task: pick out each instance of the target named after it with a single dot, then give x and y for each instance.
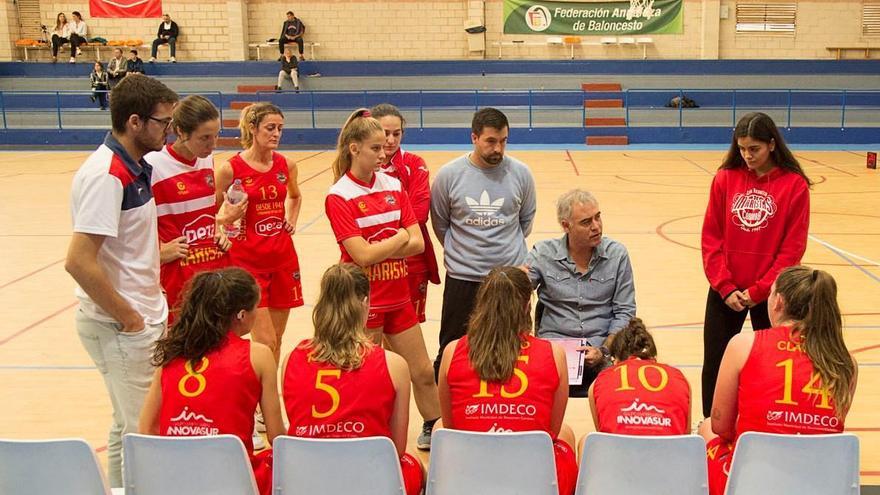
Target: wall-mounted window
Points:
(871, 18)
(766, 18)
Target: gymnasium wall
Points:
(8, 31)
(433, 30)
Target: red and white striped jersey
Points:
(185, 205)
(374, 211)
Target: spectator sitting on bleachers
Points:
(167, 33)
(794, 378)
(135, 63)
(117, 67)
(100, 86)
(60, 35)
(292, 32)
(638, 395)
(288, 70)
(78, 31)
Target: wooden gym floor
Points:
(652, 201)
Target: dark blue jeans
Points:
(172, 42)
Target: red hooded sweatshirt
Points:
(753, 229)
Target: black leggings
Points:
(720, 325)
(458, 302)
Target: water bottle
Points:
(235, 194)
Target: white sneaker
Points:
(152, 60)
(259, 422)
(259, 441)
(173, 60)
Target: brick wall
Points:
(370, 29)
(8, 31)
(433, 30)
(204, 27)
(819, 24)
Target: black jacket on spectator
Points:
(136, 66)
(170, 33)
(293, 28)
(288, 66)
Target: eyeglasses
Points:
(165, 122)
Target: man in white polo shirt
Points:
(114, 253)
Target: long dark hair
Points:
(501, 314)
(211, 301)
(633, 340)
(760, 126)
(810, 298)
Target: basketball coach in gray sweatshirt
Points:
(482, 209)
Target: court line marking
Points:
(38, 322)
(697, 165)
(841, 254)
(817, 162)
(835, 248)
(573, 164)
(38, 270)
(625, 179)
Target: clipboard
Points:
(574, 357)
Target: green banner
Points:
(593, 18)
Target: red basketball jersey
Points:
(215, 395)
(642, 397)
(185, 204)
(262, 244)
(412, 172)
(780, 392)
(323, 401)
(523, 403)
(374, 211)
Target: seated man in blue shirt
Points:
(584, 283)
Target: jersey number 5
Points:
(329, 390)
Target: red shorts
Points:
(280, 289)
(262, 465)
(393, 321)
(413, 474)
(566, 467)
(718, 456)
(174, 277)
(418, 293)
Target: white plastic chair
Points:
(608, 40)
(626, 40)
(50, 467)
(637, 465)
(464, 462)
(554, 40)
(216, 465)
(766, 463)
(366, 466)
